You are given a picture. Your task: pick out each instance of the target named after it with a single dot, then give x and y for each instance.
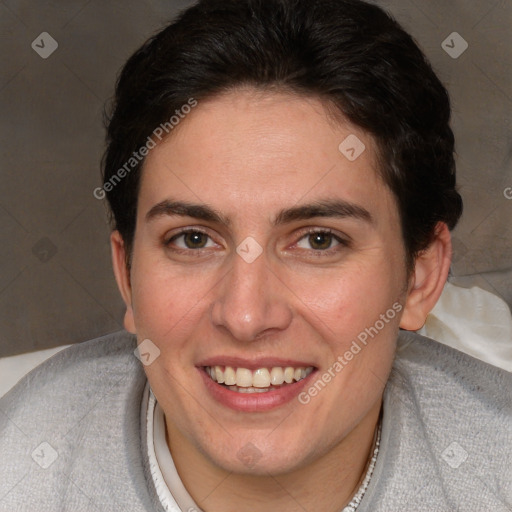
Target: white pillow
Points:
(13, 368)
(474, 321)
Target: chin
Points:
(259, 457)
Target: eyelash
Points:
(343, 243)
(168, 241)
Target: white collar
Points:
(170, 489)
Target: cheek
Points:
(165, 304)
(344, 304)
(357, 321)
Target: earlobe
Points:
(122, 276)
(429, 277)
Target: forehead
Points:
(263, 151)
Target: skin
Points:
(248, 155)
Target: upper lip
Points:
(253, 364)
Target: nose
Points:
(251, 301)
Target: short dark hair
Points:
(350, 53)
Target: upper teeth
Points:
(260, 378)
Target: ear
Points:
(122, 274)
(429, 277)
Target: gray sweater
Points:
(71, 436)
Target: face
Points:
(260, 246)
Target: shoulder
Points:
(78, 369)
(71, 428)
(457, 397)
(447, 431)
(438, 372)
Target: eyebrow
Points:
(184, 209)
(336, 208)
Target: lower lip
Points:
(254, 402)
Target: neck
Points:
(327, 483)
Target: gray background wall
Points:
(56, 283)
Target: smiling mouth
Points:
(262, 380)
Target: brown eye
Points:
(318, 241)
(195, 240)
(191, 240)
